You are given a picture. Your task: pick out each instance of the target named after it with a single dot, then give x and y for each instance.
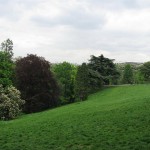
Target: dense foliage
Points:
(145, 71)
(65, 74)
(128, 74)
(37, 84)
(102, 71)
(134, 74)
(10, 103)
(138, 77)
(82, 82)
(6, 63)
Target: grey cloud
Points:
(85, 30)
(4, 1)
(27, 3)
(6, 10)
(13, 9)
(116, 5)
(110, 41)
(75, 18)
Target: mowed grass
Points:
(116, 118)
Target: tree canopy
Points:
(145, 70)
(7, 47)
(102, 69)
(128, 74)
(37, 84)
(6, 63)
(65, 73)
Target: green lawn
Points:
(116, 118)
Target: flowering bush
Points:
(10, 103)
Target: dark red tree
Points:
(37, 84)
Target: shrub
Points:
(10, 103)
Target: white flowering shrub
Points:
(10, 103)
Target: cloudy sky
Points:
(72, 30)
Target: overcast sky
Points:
(72, 30)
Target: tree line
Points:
(32, 84)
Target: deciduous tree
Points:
(6, 63)
(65, 74)
(37, 84)
(128, 74)
(7, 46)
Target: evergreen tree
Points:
(102, 70)
(82, 82)
(145, 71)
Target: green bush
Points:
(10, 103)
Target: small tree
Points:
(37, 84)
(10, 103)
(128, 74)
(6, 63)
(82, 82)
(7, 46)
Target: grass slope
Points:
(115, 118)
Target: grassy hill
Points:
(115, 118)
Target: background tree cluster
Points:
(77, 82)
(99, 71)
(131, 73)
(43, 85)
